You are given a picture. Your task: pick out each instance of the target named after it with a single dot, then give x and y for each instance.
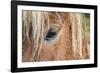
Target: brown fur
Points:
(61, 48)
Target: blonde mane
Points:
(36, 23)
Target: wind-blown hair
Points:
(68, 43)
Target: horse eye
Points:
(51, 34)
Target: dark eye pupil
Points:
(51, 34)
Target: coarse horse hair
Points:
(49, 36)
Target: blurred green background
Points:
(86, 25)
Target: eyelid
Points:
(55, 27)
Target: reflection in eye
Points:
(51, 34)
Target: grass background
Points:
(86, 25)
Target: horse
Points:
(52, 36)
